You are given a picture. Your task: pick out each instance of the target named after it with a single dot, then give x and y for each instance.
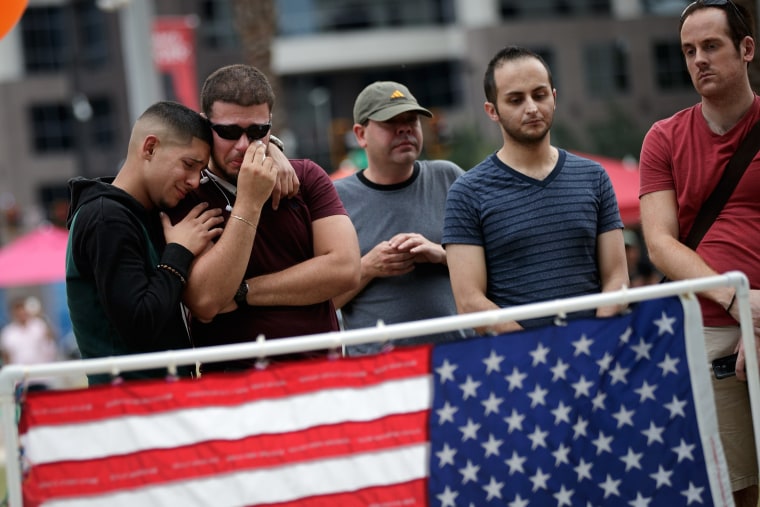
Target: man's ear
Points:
(149, 146)
(491, 111)
(359, 131)
(748, 45)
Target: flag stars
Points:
(515, 463)
(469, 472)
(561, 413)
(632, 459)
(561, 455)
(602, 443)
(469, 388)
(662, 477)
(582, 346)
(559, 370)
(605, 362)
(538, 396)
(446, 456)
(646, 392)
(538, 438)
(693, 494)
(640, 501)
(491, 404)
(469, 431)
(446, 413)
(448, 497)
(515, 379)
(684, 451)
(654, 433)
(446, 371)
(665, 324)
(493, 489)
(610, 487)
(580, 428)
(492, 446)
(619, 374)
(624, 416)
(582, 387)
(675, 407)
(668, 365)
(539, 354)
(626, 336)
(493, 362)
(564, 496)
(598, 402)
(642, 349)
(518, 502)
(514, 421)
(583, 470)
(540, 480)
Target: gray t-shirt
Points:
(379, 212)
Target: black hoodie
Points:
(119, 301)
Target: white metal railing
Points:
(11, 375)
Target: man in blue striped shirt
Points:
(531, 222)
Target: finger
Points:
(198, 209)
(276, 194)
(166, 223)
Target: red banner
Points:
(174, 57)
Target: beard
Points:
(529, 137)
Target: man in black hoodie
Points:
(126, 265)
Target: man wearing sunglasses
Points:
(682, 159)
(277, 265)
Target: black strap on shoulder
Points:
(734, 171)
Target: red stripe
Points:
(151, 397)
(408, 494)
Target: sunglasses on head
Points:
(715, 3)
(233, 132)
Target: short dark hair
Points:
(239, 84)
(740, 21)
(508, 54)
(183, 122)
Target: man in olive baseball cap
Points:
(382, 100)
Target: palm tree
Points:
(256, 24)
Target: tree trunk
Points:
(256, 24)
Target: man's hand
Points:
(384, 261)
(418, 245)
(257, 177)
(287, 183)
(196, 230)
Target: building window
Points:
(606, 69)
(102, 123)
(670, 67)
(218, 28)
(44, 39)
(91, 32)
(553, 8)
(52, 128)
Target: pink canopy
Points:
(625, 181)
(36, 258)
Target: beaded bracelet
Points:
(244, 220)
(173, 271)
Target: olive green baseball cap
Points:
(382, 100)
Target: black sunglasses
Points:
(715, 3)
(233, 132)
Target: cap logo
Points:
(397, 95)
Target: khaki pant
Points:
(734, 415)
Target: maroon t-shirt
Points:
(283, 239)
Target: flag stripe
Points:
(398, 468)
(142, 398)
(208, 458)
(120, 435)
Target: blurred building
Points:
(74, 73)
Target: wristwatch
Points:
(277, 142)
(241, 294)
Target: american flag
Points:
(594, 412)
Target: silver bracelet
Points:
(277, 142)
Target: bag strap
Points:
(735, 168)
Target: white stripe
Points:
(275, 484)
(124, 435)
